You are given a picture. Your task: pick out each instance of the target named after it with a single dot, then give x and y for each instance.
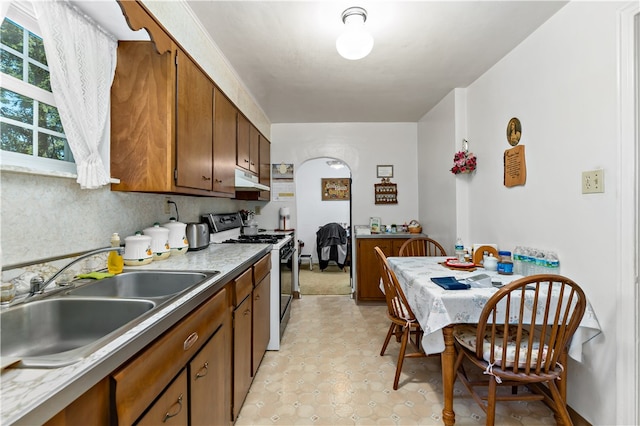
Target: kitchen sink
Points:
(141, 284)
(60, 331)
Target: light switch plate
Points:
(593, 181)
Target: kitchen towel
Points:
(450, 283)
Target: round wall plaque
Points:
(514, 131)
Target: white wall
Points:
(361, 146)
(561, 83)
(437, 185)
(313, 212)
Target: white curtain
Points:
(82, 61)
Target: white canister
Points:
(159, 241)
(137, 250)
(178, 241)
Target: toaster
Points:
(198, 236)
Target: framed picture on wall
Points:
(384, 171)
(335, 189)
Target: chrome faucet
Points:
(38, 284)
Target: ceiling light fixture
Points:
(335, 164)
(355, 42)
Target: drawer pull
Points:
(193, 337)
(203, 371)
(168, 415)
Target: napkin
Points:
(450, 283)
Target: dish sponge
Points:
(95, 275)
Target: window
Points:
(31, 133)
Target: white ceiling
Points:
(284, 52)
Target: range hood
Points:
(246, 181)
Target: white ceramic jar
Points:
(137, 250)
(159, 241)
(178, 241)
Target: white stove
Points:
(226, 228)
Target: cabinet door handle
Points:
(205, 178)
(246, 161)
(247, 312)
(218, 180)
(203, 371)
(193, 337)
(168, 415)
(257, 297)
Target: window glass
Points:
(29, 120)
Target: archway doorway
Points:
(315, 211)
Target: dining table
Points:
(438, 310)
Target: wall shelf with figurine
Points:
(386, 192)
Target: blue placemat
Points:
(450, 283)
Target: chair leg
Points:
(386, 340)
(491, 402)
(403, 349)
(561, 413)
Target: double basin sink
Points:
(62, 329)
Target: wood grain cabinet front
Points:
(172, 130)
(171, 407)
(209, 373)
(367, 268)
(137, 384)
(248, 149)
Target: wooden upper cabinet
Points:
(142, 118)
(172, 129)
(265, 167)
(254, 150)
(194, 147)
(243, 142)
(224, 144)
(248, 145)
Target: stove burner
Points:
(256, 239)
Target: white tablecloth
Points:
(436, 308)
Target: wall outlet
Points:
(258, 209)
(167, 206)
(593, 181)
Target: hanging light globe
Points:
(355, 42)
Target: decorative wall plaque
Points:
(515, 167)
(514, 131)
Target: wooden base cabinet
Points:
(261, 326)
(251, 330)
(207, 376)
(137, 384)
(242, 322)
(367, 268)
(171, 406)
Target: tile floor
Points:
(329, 372)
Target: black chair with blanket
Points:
(332, 245)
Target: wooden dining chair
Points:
(404, 325)
(479, 252)
(422, 246)
(523, 353)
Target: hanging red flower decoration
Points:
(463, 162)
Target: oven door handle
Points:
(287, 256)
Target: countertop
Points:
(33, 395)
(392, 235)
